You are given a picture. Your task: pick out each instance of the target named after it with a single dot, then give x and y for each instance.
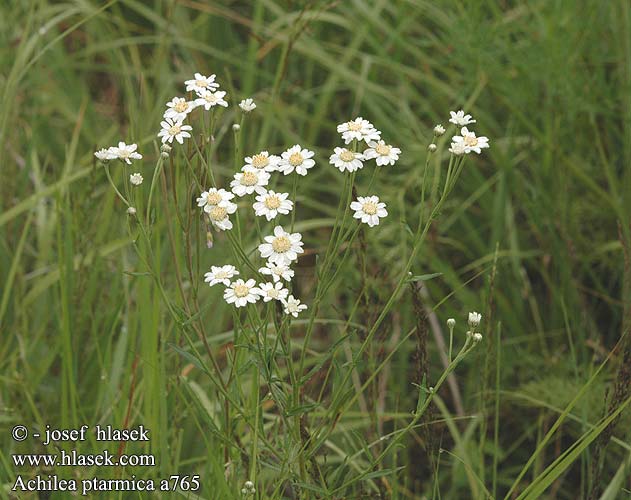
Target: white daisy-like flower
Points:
(209, 99)
(174, 129)
(384, 154)
(293, 306)
(277, 271)
(369, 209)
(273, 291)
(296, 158)
(201, 83)
(262, 161)
(247, 105)
(459, 118)
(458, 148)
(105, 154)
(240, 293)
(220, 274)
(345, 159)
(470, 141)
(214, 197)
(358, 129)
(249, 180)
(218, 215)
(136, 179)
(179, 108)
(270, 204)
(125, 152)
(282, 248)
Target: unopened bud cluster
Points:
(248, 489)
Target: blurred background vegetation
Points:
(549, 83)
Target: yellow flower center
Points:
(221, 275)
(470, 140)
(260, 161)
(354, 126)
(201, 83)
(213, 198)
(281, 244)
(370, 208)
(272, 202)
(273, 293)
(123, 153)
(383, 149)
(347, 155)
(241, 290)
(249, 179)
(296, 159)
(218, 214)
(210, 98)
(174, 130)
(181, 106)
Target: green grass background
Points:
(549, 83)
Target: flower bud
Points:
(439, 130)
(131, 211)
(432, 148)
(451, 323)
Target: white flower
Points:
(247, 105)
(385, 154)
(277, 271)
(236, 127)
(345, 159)
(439, 130)
(432, 147)
(470, 141)
(125, 152)
(474, 319)
(359, 129)
(208, 99)
(241, 292)
(457, 148)
(218, 215)
(220, 274)
(369, 209)
(293, 306)
(105, 154)
(273, 291)
(451, 323)
(270, 204)
(214, 197)
(249, 180)
(296, 158)
(131, 211)
(477, 337)
(173, 129)
(179, 108)
(201, 83)
(282, 247)
(262, 161)
(459, 118)
(136, 179)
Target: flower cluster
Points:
(207, 95)
(467, 141)
(368, 209)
